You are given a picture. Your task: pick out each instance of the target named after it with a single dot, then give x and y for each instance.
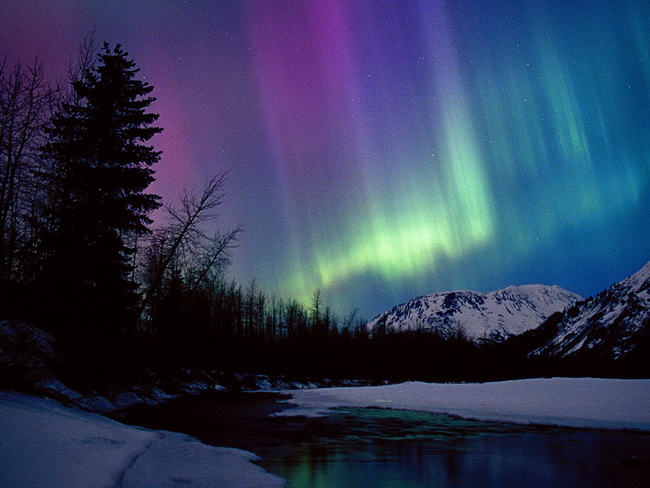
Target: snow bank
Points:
(43, 444)
(571, 402)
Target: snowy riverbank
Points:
(571, 402)
(46, 445)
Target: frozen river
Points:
(370, 447)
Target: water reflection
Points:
(389, 449)
(375, 448)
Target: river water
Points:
(377, 448)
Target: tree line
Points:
(78, 253)
(80, 258)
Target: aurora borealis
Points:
(380, 150)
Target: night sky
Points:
(381, 150)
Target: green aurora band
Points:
(381, 150)
(523, 124)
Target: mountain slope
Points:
(611, 325)
(494, 315)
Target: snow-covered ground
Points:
(571, 402)
(46, 445)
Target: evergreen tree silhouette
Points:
(100, 170)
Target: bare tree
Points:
(184, 246)
(26, 104)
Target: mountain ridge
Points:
(479, 316)
(609, 325)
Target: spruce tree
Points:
(101, 168)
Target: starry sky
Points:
(381, 150)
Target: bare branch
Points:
(184, 243)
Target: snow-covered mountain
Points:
(609, 326)
(494, 315)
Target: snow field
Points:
(570, 402)
(46, 445)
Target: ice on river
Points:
(570, 402)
